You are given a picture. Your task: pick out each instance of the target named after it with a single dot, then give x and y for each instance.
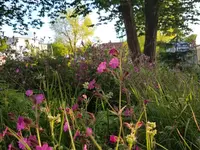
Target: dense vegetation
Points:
(97, 103)
(79, 95)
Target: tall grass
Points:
(165, 103)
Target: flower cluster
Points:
(114, 62)
(36, 98)
(150, 128)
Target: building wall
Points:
(20, 44)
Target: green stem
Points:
(120, 83)
(95, 143)
(70, 133)
(19, 138)
(52, 132)
(37, 125)
(61, 129)
(120, 99)
(147, 135)
(120, 131)
(38, 136)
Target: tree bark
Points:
(126, 9)
(151, 28)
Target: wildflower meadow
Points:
(57, 104)
(99, 75)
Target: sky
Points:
(105, 33)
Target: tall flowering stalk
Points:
(115, 62)
(120, 99)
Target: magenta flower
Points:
(17, 70)
(114, 63)
(21, 145)
(137, 147)
(91, 84)
(29, 92)
(10, 147)
(113, 138)
(20, 123)
(75, 107)
(77, 134)
(88, 131)
(66, 127)
(102, 67)
(136, 69)
(85, 147)
(5, 132)
(128, 112)
(32, 140)
(39, 98)
(146, 101)
(44, 147)
(113, 52)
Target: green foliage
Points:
(3, 45)
(191, 38)
(171, 97)
(170, 94)
(162, 39)
(59, 49)
(173, 14)
(71, 31)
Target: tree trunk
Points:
(126, 9)
(151, 27)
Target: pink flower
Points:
(139, 124)
(67, 110)
(113, 138)
(80, 99)
(88, 131)
(114, 63)
(29, 92)
(113, 52)
(137, 147)
(128, 112)
(20, 123)
(84, 96)
(77, 134)
(17, 70)
(66, 127)
(32, 140)
(75, 107)
(91, 84)
(102, 67)
(79, 115)
(10, 147)
(21, 145)
(5, 132)
(39, 98)
(146, 101)
(85, 147)
(136, 69)
(44, 147)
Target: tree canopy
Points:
(72, 30)
(134, 17)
